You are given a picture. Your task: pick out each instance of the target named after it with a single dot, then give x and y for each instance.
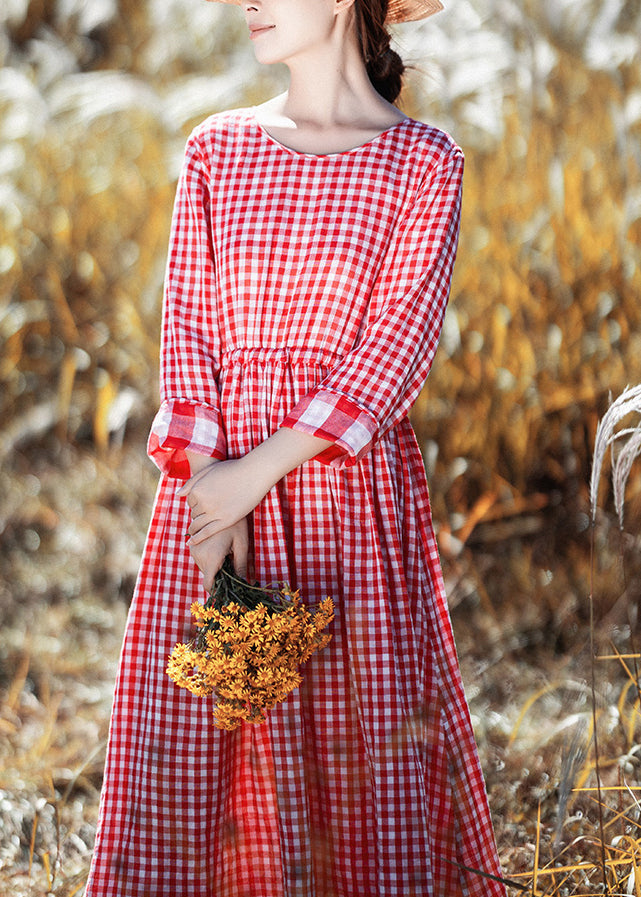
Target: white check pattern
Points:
(307, 292)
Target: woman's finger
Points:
(209, 559)
(204, 532)
(198, 521)
(184, 489)
(189, 484)
(239, 548)
(188, 495)
(209, 574)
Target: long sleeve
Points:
(189, 415)
(375, 384)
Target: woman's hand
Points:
(210, 553)
(221, 495)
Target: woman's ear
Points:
(342, 5)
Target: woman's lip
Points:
(255, 30)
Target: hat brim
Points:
(397, 11)
(411, 10)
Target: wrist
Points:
(198, 462)
(282, 452)
(261, 468)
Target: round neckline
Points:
(288, 149)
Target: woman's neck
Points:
(331, 90)
(338, 114)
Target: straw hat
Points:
(411, 10)
(398, 10)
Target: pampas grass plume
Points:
(629, 402)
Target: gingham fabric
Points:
(303, 291)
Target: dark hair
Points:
(384, 66)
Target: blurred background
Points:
(96, 100)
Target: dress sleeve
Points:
(189, 415)
(376, 384)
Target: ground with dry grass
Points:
(543, 324)
(76, 529)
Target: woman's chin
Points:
(265, 57)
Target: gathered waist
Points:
(286, 356)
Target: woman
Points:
(311, 254)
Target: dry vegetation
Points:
(543, 325)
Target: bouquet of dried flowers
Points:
(250, 643)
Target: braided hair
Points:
(384, 66)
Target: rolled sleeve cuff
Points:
(332, 416)
(180, 426)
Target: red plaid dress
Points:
(304, 291)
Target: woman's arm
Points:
(189, 418)
(373, 386)
(222, 493)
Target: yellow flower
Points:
(250, 644)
